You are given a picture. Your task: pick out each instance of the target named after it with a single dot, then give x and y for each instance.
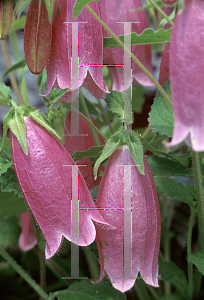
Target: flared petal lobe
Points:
(145, 218)
(27, 239)
(82, 143)
(186, 75)
(122, 13)
(90, 52)
(45, 178)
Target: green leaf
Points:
(9, 233)
(18, 23)
(136, 151)
(174, 189)
(92, 153)
(10, 205)
(161, 115)
(4, 165)
(148, 36)
(49, 5)
(57, 94)
(169, 271)
(9, 183)
(79, 4)
(161, 166)
(198, 260)
(23, 6)
(109, 148)
(86, 290)
(17, 126)
(57, 119)
(18, 65)
(36, 115)
(138, 98)
(114, 101)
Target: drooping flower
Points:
(145, 222)
(82, 143)
(119, 11)
(27, 239)
(90, 53)
(46, 179)
(37, 36)
(6, 17)
(186, 75)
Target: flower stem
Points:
(83, 116)
(199, 193)
(161, 11)
(12, 77)
(92, 263)
(190, 265)
(95, 136)
(23, 274)
(131, 55)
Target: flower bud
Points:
(27, 239)
(6, 17)
(37, 36)
(143, 216)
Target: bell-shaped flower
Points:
(142, 214)
(186, 75)
(50, 184)
(111, 13)
(60, 67)
(37, 36)
(27, 239)
(82, 143)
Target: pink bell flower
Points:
(186, 75)
(46, 179)
(145, 224)
(82, 143)
(90, 55)
(27, 239)
(116, 11)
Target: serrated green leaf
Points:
(169, 271)
(5, 129)
(10, 205)
(16, 124)
(136, 151)
(57, 120)
(174, 189)
(161, 166)
(9, 233)
(79, 4)
(114, 101)
(92, 153)
(198, 260)
(161, 116)
(5, 90)
(4, 165)
(18, 65)
(9, 183)
(148, 36)
(86, 290)
(109, 148)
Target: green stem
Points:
(131, 55)
(40, 251)
(92, 263)
(21, 79)
(95, 136)
(161, 12)
(105, 116)
(190, 265)
(6, 156)
(12, 77)
(199, 193)
(23, 274)
(83, 116)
